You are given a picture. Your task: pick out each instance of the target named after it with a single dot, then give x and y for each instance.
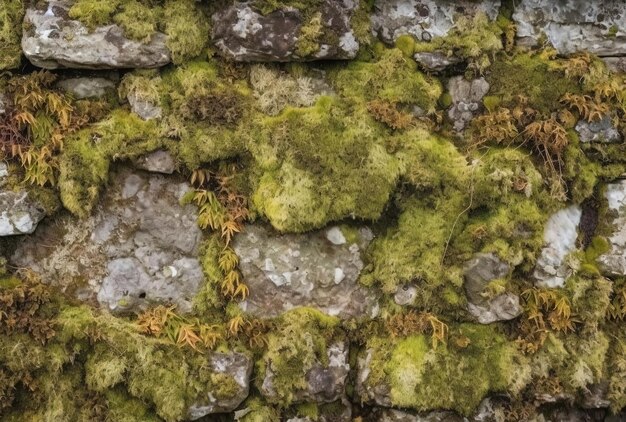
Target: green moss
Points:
(85, 161)
(320, 164)
(122, 408)
(475, 38)
(308, 39)
(94, 13)
(138, 20)
(406, 44)
(259, 411)
(299, 342)
(533, 77)
(392, 78)
(187, 28)
(424, 378)
(208, 298)
(11, 15)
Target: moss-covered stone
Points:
(447, 377)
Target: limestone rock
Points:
(571, 26)
(479, 272)
(424, 19)
(4, 103)
(51, 40)
(405, 295)
(242, 33)
(159, 161)
(613, 263)
(602, 130)
(239, 368)
(85, 87)
(145, 109)
(19, 214)
(139, 248)
(559, 237)
(615, 64)
(324, 383)
(466, 99)
(318, 269)
(436, 61)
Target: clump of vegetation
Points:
(224, 210)
(320, 164)
(454, 376)
(300, 341)
(11, 16)
(34, 128)
(393, 78)
(274, 91)
(411, 323)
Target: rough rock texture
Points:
(576, 25)
(140, 247)
(145, 109)
(598, 131)
(51, 40)
(85, 87)
(318, 269)
(324, 383)
(157, 162)
(424, 19)
(479, 272)
(436, 61)
(613, 263)
(244, 34)
(559, 236)
(466, 99)
(19, 213)
(239, 368)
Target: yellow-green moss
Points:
(187, 28)
(320, 164)
(446, 377)
(533, 77)
(11, 15)
(299, 341)
(392, 78)
(85, 161)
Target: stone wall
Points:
(266, 210)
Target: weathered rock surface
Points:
(325, 383)
(19, 213)
(613, 263)
(559, 237)
(318, 269)
(242, 33)
(602, 130)
(139, 248)
(52, 40)
(145, 109)
(159, 161)
(436, 61)
(424, 19)
(466, 99)
(479, 272)
(239, 368)
(577, 25)
(85, 87)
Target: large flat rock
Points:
(52, 40)
(243, 33)
(425, 19)
(574, 25)
(139, 248)
(318, 269)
